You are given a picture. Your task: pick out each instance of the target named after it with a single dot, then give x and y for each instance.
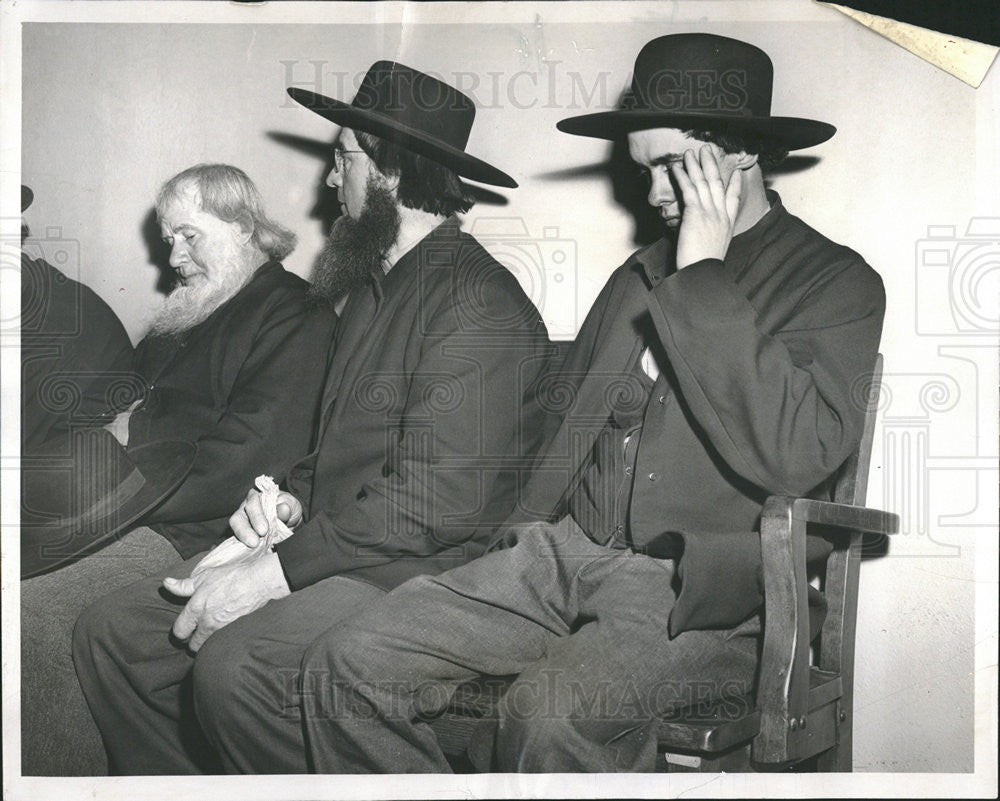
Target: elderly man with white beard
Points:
(234, 361)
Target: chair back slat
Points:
(836, 644)
(852, 480)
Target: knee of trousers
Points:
(354, 671)
(341, 653)
(99, 627)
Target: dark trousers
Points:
(58, 737)
(146, 690)
(584, 626)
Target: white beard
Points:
(187, 306)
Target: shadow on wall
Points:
(159, 253)
(627, 186)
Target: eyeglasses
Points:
(338, 157)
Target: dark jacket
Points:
(75, 355)
(245, 385)
(761, 356)
(428, 419)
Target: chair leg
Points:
(839, 758)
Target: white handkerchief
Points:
(232, 552)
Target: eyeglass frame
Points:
(338, 157)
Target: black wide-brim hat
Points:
(415, 111)
(80, 491)
(701, 81)
(26, 197)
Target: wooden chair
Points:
(802, 713)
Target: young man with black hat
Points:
(716, 368)
(426, 423)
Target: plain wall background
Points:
(109, 111)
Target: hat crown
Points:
(417, 101)
(700, 73)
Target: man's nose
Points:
(334, 179)
(661, 189)
(178, 253)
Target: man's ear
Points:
(744, 161)
(245, 222)
(391, 181)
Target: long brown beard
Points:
(355, 249)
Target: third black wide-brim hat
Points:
(413, 110)
(701, 81)
(78, 491)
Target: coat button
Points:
(661, 399)
(628, 471)
(619, 529)
(653, 476)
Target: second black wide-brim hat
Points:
(413, 110)
(701, 81)
(80, 490)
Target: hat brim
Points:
(793, 133)
(418, 141)
(50, 544)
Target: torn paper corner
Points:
(967, 60)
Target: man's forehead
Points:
(182, 205)
(347, 140)
(660, 143)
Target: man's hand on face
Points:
(221, 595)
(710, 207)
(249, 523)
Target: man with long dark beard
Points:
(427, 422)
(234, 362)
(356, 247)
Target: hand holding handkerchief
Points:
(232, 552)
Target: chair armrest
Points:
(842, 515)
